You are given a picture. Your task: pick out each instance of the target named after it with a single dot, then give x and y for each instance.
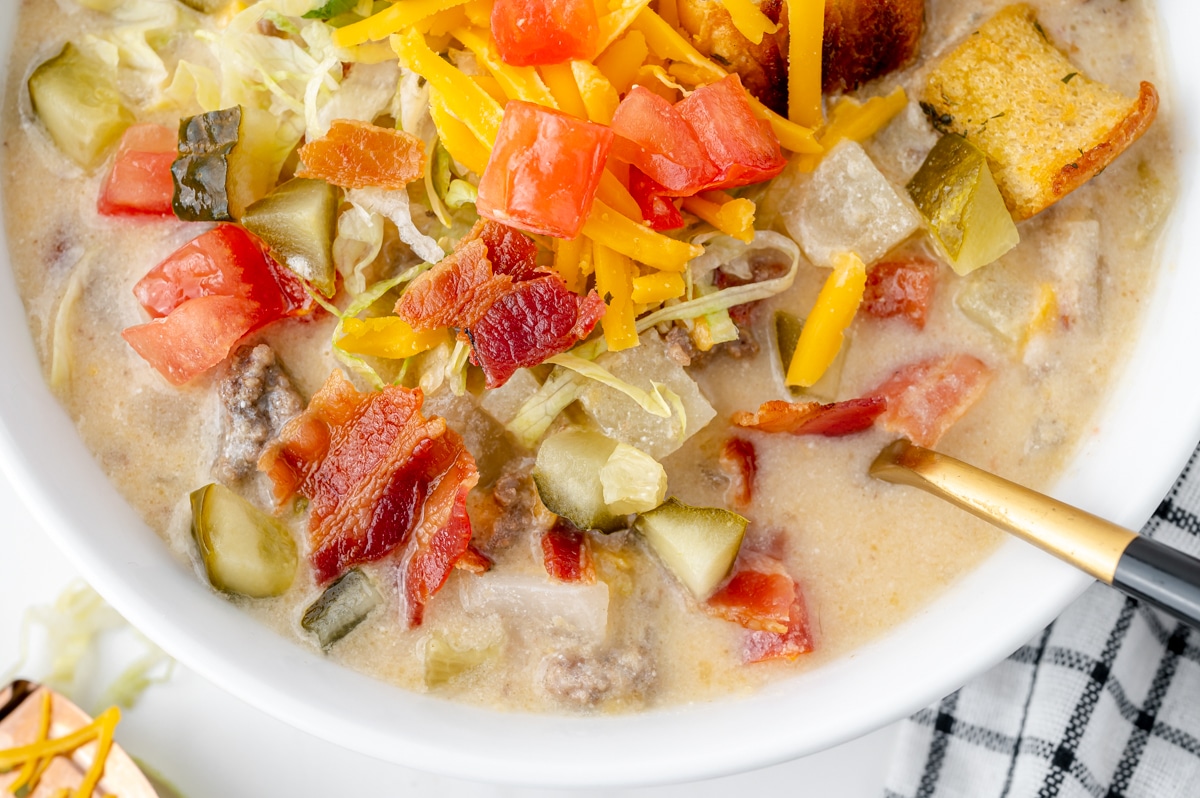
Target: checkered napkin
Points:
(1105, 702)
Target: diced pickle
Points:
(956, 194)
(443, 661)
(567, 476)
(344, 605)
(218, 173)
(697, 544)
(298, 221)
(244, 550)
(75, 96)
(788, 327)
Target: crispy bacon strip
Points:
(740, 463)
(474, 561)
(538, 319)
(357, 154)
(511, 251)
(456, 292)
(813, 418)
(380, 478)
(566, 554)
(790, 645)
(901, 289)
(926, 398)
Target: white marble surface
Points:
(207, 743)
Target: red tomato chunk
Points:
(140, 182)
(657, 209)
(925, 399)
(544, 170)
(534, 32)
(205, 297)
(901, 289)
(654, 137)
(743, 147)
(383, 481)
(739, 462)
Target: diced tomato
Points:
(744, 148)
(790, 645)
(538, 319)
(356, 154)
(140, 182)
(544, 170)
(657, 209)
(758, 596)
(534, 32)
(813, 418)
(740, 463)
(652, 135)
(901, 288)
(566, 555)
(456, 292)
(198, 335)
(474, 561)
(382, 480)
(925, 399)
(226, 264)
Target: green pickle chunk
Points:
(955, 192)
(697, 544)
(244, 550)
(298, 221)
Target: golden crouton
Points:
(1046, 128)
(863, 40)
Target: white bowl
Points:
(1141, 442)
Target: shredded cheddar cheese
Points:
(456, 137)
(652, 289)
(614, 282)
(464, 98)
(821, 339)
(806, 33)
(401, 15)
(600, 98)
(855, 121)
(621, 61)
(561, 81)
(733, 217)
(517, 83)
(749, 19)
(607, 227)
(387, 337)
(43, 750)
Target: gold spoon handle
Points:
(1141, 567)
(1082, 539)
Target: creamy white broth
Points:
(867, 555)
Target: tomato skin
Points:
(657, 209)
(743, 147)
(205, 297)
(535, 32)
(544, 171)
(653, 136)
(140, 182)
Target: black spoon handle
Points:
(1162, 576)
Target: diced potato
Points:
(572, 609)
(621, 418)
(633, 481)
(75, 96)
(697, 544)
(849, 206)
(567, 476)
(956, 194)
(1007, 300)
(1072, 256)
(243, 549)
(504, 402)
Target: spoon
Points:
(1141, 567)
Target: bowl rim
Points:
(974, 624)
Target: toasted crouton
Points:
(1046, 128)
(863, 40)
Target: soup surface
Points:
(1049, 321)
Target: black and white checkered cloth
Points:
(1105, 702)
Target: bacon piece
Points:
(538, 319)
(758, 596)
(456, 292)
(740, 464)
(566, 554)
(901, 288)
(510, 251)
(357, 154)
(380, 478)
(790, 645)
(474, 561)
(926, 398)
(813, 418)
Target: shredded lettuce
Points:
(395, 206)
(332, 8)
(60, 344)
(358, 243)
(365, 95)
(653, 402)
(192, 83)
(534, 417)
(456, 369)
(142, 24)
(460, 193)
